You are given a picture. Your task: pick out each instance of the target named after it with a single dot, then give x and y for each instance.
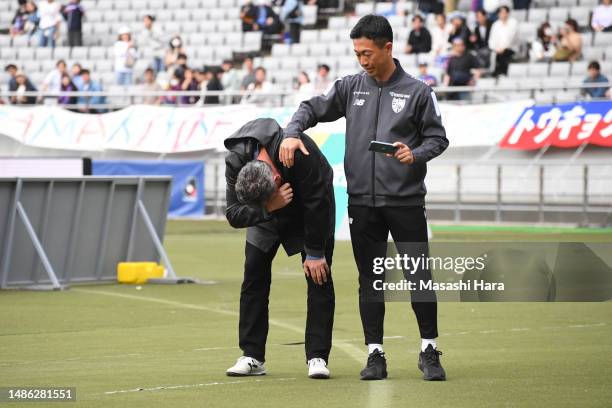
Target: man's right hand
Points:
(286, 153)
(281, 198)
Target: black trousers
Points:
(75, 38)
(502, 61)
(370, 228)
(253, 325)
(295, 30)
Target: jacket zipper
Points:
(374, 153)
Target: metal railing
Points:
(538, 191)
(120, 98)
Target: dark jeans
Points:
(254, 294)
(370, 228)
(502, 61)
(294, 32)
(75, 39)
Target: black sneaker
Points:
(429, 364)
(376, 369)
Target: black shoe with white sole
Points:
(429, 364)
(376, 368)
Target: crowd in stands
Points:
(464, 53)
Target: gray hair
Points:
(255, 183)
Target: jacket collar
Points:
(397, 74)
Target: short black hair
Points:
(84, 72)
(181, 56)
(506, 8)
(57, 64)
(10, 66)
(260, 69)
(375, 28)
(325, 67)
(418, 17)
(594, 65)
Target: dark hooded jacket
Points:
(308, 222)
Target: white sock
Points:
(427, 342)
(374, 346)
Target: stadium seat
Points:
(566, 3)
(309, 36)
(517, 70)
(361, 9)
(280, 50)
(558, 14)
(538, 69)
(328, 36)
(383, 8)
(336, 22)
(537, 15)
(602, 39)
(299, 50)
(558, 69)
(251, 41)
(290, 64)
(318, 49)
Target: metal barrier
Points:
(543, 191)
(57, 231)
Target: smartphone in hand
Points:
(382, 147)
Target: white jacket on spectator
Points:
(49, 14)
(504, 35)
(152, 39)
(125, 57)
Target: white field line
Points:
(355, 353)
(183, 386)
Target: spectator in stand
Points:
(261, 85)
(11, 69)
(492, 7)
(73, 14)
(174, 86)
(304, 87)
(293, 16)
(459, 29)
(264, 19)
(172, 53)
(151, 38)
(213, 83)
(65, 99)
(430, 6)
(53, 80)
(521, 4)
(22, 85)
(249, 74)
(322, 80)
(570, 44)
(482, 30)
(595, 77)
(463, 69)
(248, 16)
(439, 35)
(89, 104)
(125, 57)
(150, 85)
(425, 76)
(602, 17)
(543, 48)
(180, 66)
(76, 72)
(503, 40)
(419, 39)
(50, 17)
(230, 81)
(189, 83)
(19, 21)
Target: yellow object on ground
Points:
(138, 272)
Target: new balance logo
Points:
(359, 102)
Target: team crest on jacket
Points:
(397, 104)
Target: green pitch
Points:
(175, 342)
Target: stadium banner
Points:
(564, 125)
(167, 130)
(187, 196)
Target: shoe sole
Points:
(319, 376)
(233, 374)
(433, 378)
(373, 377)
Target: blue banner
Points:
(187, 198)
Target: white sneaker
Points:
(317, 368)
(246, 366)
